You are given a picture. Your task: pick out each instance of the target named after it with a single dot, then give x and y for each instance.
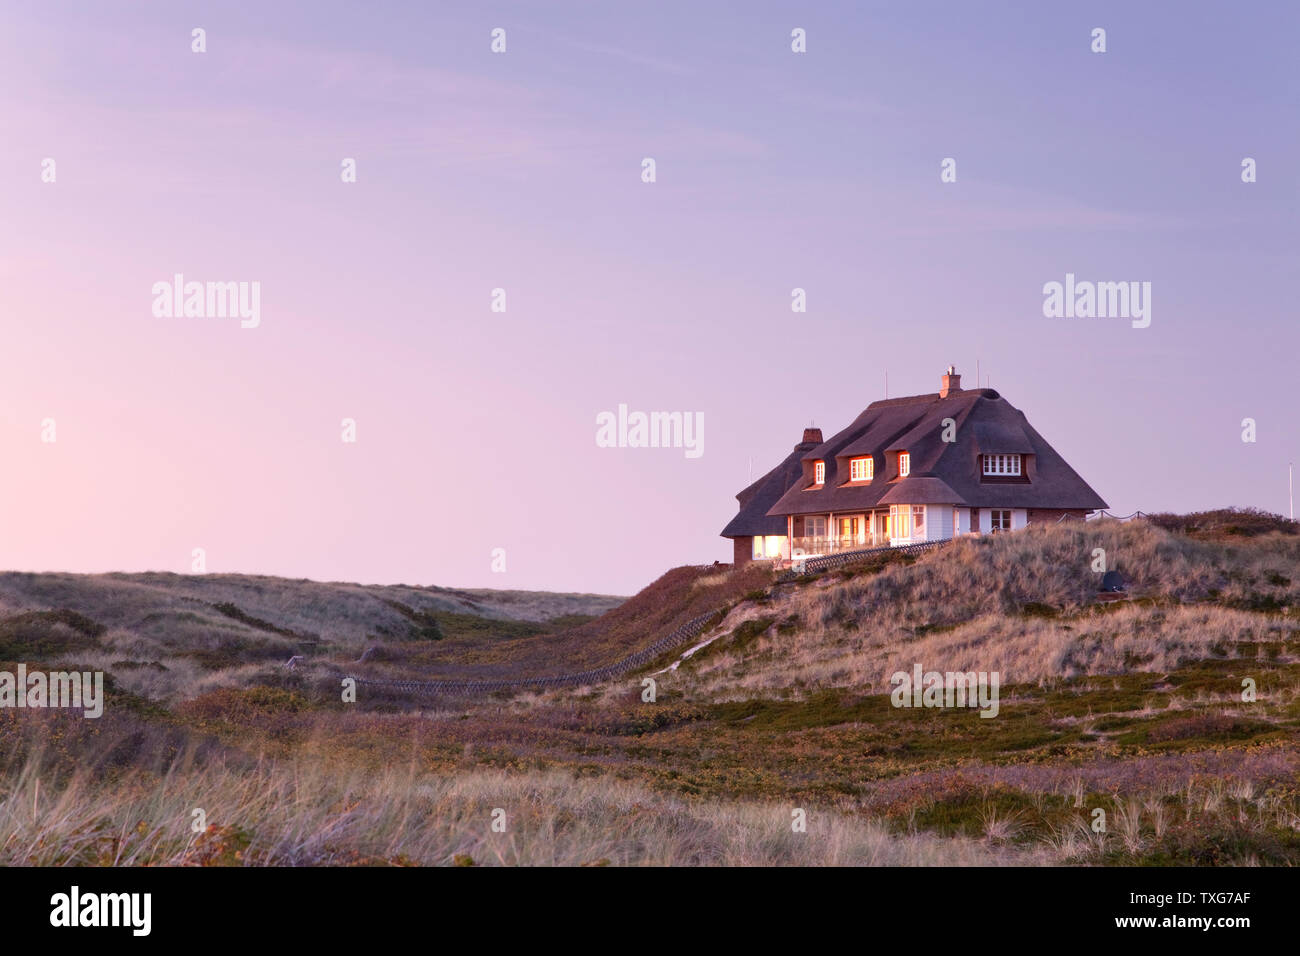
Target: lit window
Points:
(999, 520)
(900, 523)
(819, 473)
(905, 464)
(861, 469)
(1002, 465)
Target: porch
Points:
(814, 536)
(819, 535)
(816, 546)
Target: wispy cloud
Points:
(630, 56)
(836, 103)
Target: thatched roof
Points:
(941, 472)
(755, 500)
(914, 490)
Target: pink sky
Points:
(476, 430)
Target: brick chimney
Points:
(949, 382)
(812, 436)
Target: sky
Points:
(522, 170)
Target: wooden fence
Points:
(828, 561)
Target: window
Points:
(861, 469)
(900, 524)
(814, 526)
(819, 473)
(918, 520)
(1002, 465)
(999, 521)
(905, 464)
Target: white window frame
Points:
(904, 464)
(862, 469)
(819, 522)
(1007, 466)
(993, 513)
(819, 473)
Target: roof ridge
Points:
(963, 393)
(905, 400)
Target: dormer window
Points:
(904, 464)
(1002, 465)
(819, 473)
(861, 469)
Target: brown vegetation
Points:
(1134, 707)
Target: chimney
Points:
(812, 436)
(949, 382)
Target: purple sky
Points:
(775, 170)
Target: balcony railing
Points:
(808, 547)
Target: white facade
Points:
(936, 524)
(898, 526)
(942, 522)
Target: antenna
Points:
(1290, 486)
(886, 383)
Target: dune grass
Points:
(1023, 605)
(1134, 707)
(297, 814)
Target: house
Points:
(754, 533)
(922, 468)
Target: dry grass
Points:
(1018, 604)
(154, 604)
(167, 637)
(662, 606)
(297, 814)
(784, 710)
(1021, 650)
